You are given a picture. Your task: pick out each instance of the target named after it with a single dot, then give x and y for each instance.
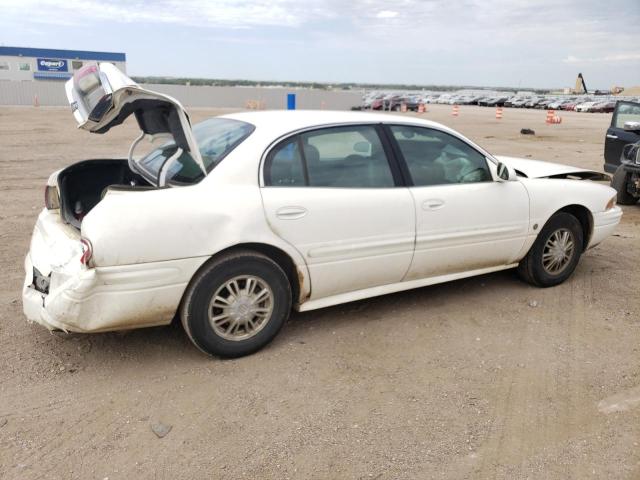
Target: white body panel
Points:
(463, 227)
(350, 244)
(350, 238)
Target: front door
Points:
(465, 220)
(332, 194)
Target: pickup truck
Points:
(620, 153)
(624, 129)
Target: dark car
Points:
(484, 102)
(377, 104)
(533, 102)
(604, 107)
(624, 129)
(626, 180)
(496, 102)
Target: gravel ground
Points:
(480, 378)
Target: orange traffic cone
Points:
(498, 113)
(36, 101)
(455, 111)
(550, 115)
(421, 108)
(403, 107)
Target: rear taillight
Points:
(87, 251)
(93, 91)
(51, 197)
(87, 78)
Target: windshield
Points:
(215, 137)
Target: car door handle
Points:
(432, 204)
(615, 137)
(291, 213)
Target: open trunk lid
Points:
(101, 97)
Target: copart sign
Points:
(52, 65)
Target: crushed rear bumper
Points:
(81, 299)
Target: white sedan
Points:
(232, 223)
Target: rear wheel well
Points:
(585, 218)
(279, 256)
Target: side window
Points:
(348, 157)
(437, 158)
(626, 112)
(283, 167)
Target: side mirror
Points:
(631, 126)
(631, 152)
(506, 173)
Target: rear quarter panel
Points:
(197, 221)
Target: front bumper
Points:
(81, 299)
(604, 224)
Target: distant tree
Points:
(218, 82)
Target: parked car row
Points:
(578, 103)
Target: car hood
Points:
(539, 169)
(102, 97)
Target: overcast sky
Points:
(470, 42)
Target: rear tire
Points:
(555, 253)
(236, 304)
(619, 182)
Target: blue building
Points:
(35, 64)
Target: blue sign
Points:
(52, 65)
(291, 101)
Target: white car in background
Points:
(584, 106)
(232, 223)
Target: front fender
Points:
(548, 196)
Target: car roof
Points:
(284, 121)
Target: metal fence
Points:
(52, 94)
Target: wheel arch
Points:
(584, 216)
(296, 276)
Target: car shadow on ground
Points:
(169, 344)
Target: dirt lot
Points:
(480, 378)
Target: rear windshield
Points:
(215, 137)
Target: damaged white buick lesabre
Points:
(232, 223)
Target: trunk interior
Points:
(83, 185)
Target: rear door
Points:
(617, 137)
(335, 194)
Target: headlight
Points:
(611, 203)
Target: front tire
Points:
(236, 304)
(619, 182)
(555, 253)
